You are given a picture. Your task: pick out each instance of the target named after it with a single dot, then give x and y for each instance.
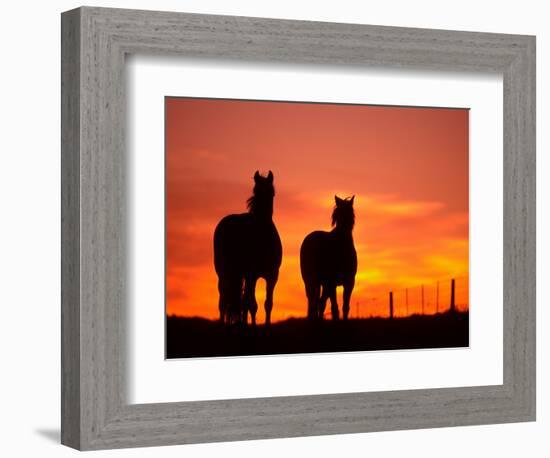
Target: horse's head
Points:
(343, 216)
(262, 200)
(263, 186)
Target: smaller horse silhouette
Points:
(247, 247)
(328, 260)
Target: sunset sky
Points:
(407, 167)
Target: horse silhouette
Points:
(328, 260)
(247, 246)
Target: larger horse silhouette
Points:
(328, 260)
(247, 247)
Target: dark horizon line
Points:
(328, 319)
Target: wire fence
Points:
(445, 295)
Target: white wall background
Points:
(30, 229)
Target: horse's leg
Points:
(313, 291)
(232, 300)
(333, 303)
(221, 309)
(348, 288)
(249, 303)
(243, 313)
(222, 303)
(323, 302)
(270, 283)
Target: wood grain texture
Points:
(95, 410)
(70, 229)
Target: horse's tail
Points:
(218, 248)
(310, 255)
(230, 281)
(309, 268)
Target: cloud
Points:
(379, 204)
(400, 243)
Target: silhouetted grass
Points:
(198, 337)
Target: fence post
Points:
(407, 301)
(391, 305)
(422, 299)
(437, 299)
(453, 295)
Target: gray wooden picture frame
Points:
(95, 411)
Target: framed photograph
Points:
(251, 204)
(384, 232)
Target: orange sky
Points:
(407, 167)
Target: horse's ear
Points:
(352, 199)
(338, 200)
(256, 176)
(270, 176)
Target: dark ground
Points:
(198, 337)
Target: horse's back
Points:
(312, 251)
(228, 237)
(327, 257)
(243, 244)
(272, 248)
